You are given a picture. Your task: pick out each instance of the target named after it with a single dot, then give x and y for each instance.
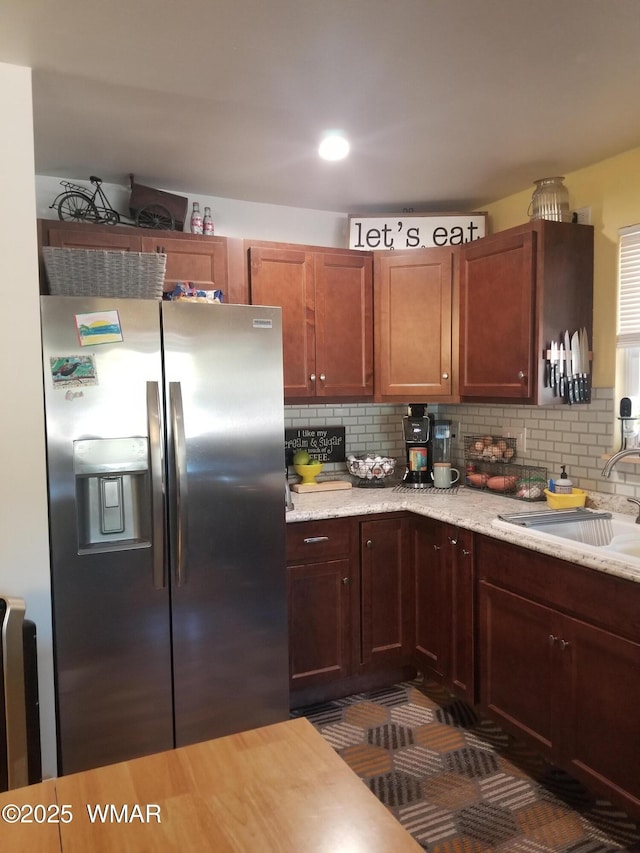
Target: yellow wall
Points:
(611, 189)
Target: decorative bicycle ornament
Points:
(149, 208)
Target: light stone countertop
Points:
(474, 510)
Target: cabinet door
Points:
(84, 236)
(285, 277)
(518, 665)
(601, 710)
(413, 295)
(344, 325)
(202, 261)
(459, 568)
(443, 584)
(319, 622)
(385, 593)
(497, 292)
(431, 598)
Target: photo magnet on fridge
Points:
(69, 371)
(99, 327)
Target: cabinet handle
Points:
(564, 644)
(552, 639)
(312, 540)
(369, 543)
(322, 377)
(522, 374)
(345, 580)
(445, 375)
(313, 377)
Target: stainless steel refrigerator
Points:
(165, 450)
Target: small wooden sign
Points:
(326, 444)
(415, 230)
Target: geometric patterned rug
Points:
(458, 783)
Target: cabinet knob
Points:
(322, 377)
(522, 374)
(453, 540)
(313, 377)
(564, 644)
(345, 581)
(465, 552)
(445, 375)
(369, 543)
(552, 639)
(436, 547)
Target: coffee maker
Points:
(417, 428)
(427, 440)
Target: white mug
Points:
(442, 475)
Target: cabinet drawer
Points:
(318, 540)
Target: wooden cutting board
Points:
(326, 486)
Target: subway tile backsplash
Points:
(575, 436)
(369, 428)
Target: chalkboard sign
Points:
(326, 444)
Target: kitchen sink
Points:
(582, 529)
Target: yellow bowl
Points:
(559, 501)
(308, 472)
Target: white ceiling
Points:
(448, 104)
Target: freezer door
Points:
(223, 369)
(103, 386)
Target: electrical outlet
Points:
(582, 215)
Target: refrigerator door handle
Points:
(181, 492)
(157, 484)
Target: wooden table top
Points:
(278, 788)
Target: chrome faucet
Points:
(637, 503)
(610, 463)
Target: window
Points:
(628, 330)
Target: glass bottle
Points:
(207, 223)
(550, 200)
(196, 219)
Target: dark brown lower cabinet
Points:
(443, 603)
(322, 576)
(349, 601)
(560, 663)
(385, 592)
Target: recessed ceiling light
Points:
(334, 146)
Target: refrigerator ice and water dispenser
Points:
(112, 493)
